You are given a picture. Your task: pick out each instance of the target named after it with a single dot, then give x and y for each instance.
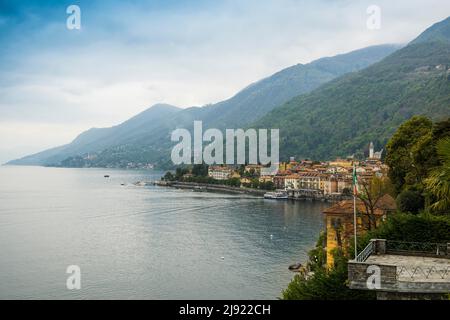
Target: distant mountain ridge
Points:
(146, 137)
(341, 117)
(439, 32)
(262, 96)
(98, 139)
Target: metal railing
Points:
(368, 250)
(425, 249)
(422, 272)
(422, 248)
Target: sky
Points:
(131, 54)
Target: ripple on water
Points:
(144, 242)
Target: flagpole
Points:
(354, 209)
(354, 224)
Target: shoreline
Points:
(204, 187)
(295, 195)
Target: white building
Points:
(220, 173)
(373, 154)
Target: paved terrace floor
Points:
(415, 269)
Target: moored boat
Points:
(278, 195)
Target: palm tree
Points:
(438, 182)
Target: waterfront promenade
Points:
(307, 195)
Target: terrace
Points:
(408, 270)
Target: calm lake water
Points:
(144, 242)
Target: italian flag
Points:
(355, 180)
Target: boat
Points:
(106, 176)
(296, 267)
(278, 195)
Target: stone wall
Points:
(358, 276)
(409, 296)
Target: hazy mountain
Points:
(98, 139)
(146, 137)
(344, 115)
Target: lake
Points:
(148, 242)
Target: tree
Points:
(438, 183)
(200, 170)
(423, 227)
(410, 201)
(180, 172)
(372, 191)
(268, 185)
(169, 176)
(254, 183)
(441, 129)
(408, 153)
(233, 182)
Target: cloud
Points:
(132, 54)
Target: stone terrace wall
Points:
(358, 275)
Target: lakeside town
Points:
(199, 151)
(303, 179)
(366, 223)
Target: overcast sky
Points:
(129, 55)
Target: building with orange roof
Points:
(339, 222)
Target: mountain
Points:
(146, 137)
(439, 32)
(261, 97)
(344, 115)
(98, 139)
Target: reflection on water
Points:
(144, 242)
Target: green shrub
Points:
(325, 285)
(410, 201)
(411, 228)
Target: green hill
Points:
(438, 32)
(344, 115)
(263, 96)
(146, 137)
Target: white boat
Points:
(278, 195)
